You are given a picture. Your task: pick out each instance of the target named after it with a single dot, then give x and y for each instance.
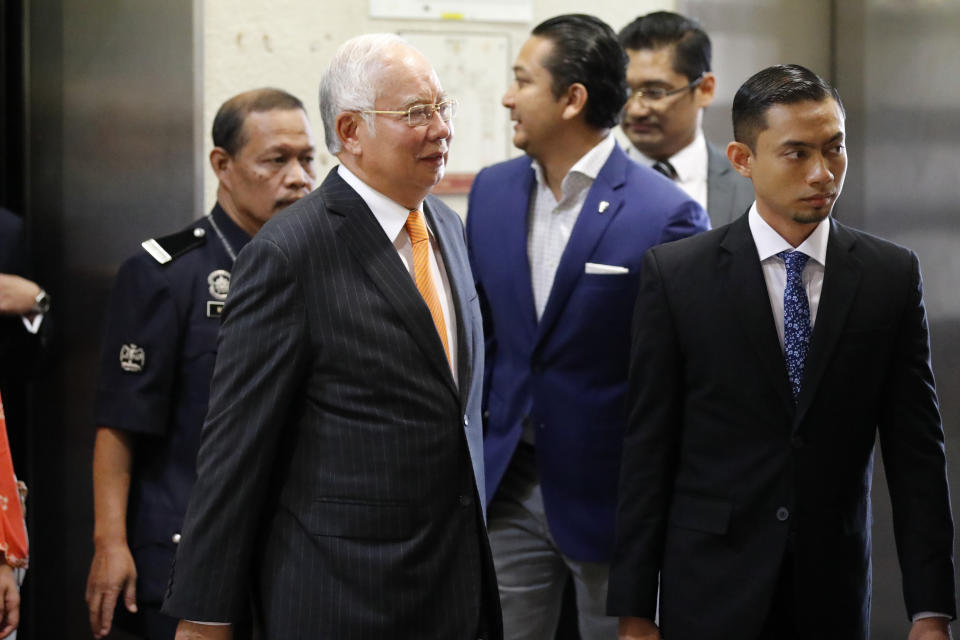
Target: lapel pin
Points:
(603, 206)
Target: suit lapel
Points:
(840, 281)
(365, 238)
(457, 267)
(748, 291)
(590, 226)
(719, 191)
(514, 217)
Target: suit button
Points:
(782, 514)
(537, 368)
(175, 538)
(466, 501)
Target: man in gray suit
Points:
(671, 83)
(341, 456)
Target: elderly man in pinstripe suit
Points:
(340, 461)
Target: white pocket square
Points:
(604, 269)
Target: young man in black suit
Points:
(768, 356)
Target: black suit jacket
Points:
(722, 473)
(334, 473)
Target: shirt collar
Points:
(769, 243)
(235, 236)
(391, 215)
(589, 164)
(690, 163)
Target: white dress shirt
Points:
(392, 218)
(551, 222)
(769, 244)
(690, 163)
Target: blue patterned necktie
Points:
(796, 318)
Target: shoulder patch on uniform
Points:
(175, 245)
(132, 358)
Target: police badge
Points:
(219, 282)
(132, 358)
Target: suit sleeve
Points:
(911, 438)
(259, 369)
(686, 220)
(652, 438)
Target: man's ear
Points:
(741, 158)
(220, 162)
(348, 132)
(706, 90)
(576, 101)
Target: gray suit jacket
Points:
(335, 480)
(729, 194)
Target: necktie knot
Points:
(416, 227)
(667, 169)
(794, 260)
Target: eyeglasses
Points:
(421, 114)
(656, 94)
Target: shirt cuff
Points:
(32, 325)
(211, 624)
(929, 614)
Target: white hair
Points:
(350, 82)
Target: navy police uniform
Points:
(159, 348)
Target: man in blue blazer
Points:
(556, 239)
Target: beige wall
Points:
(287, 43)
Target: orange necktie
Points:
(417, 231)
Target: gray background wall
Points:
(118, 100)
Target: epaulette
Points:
(175, 245)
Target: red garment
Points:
(13, 530)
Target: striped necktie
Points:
(417, 230)
(664, 167)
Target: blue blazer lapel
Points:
(514, 218)
(840, 281)
(742, 276)
(587, 231)
(365, 238)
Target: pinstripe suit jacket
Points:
(334, 475)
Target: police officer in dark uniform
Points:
(158, 353)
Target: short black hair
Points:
(779, 84)
(228, 123)
(692, 51)
(585, 50)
